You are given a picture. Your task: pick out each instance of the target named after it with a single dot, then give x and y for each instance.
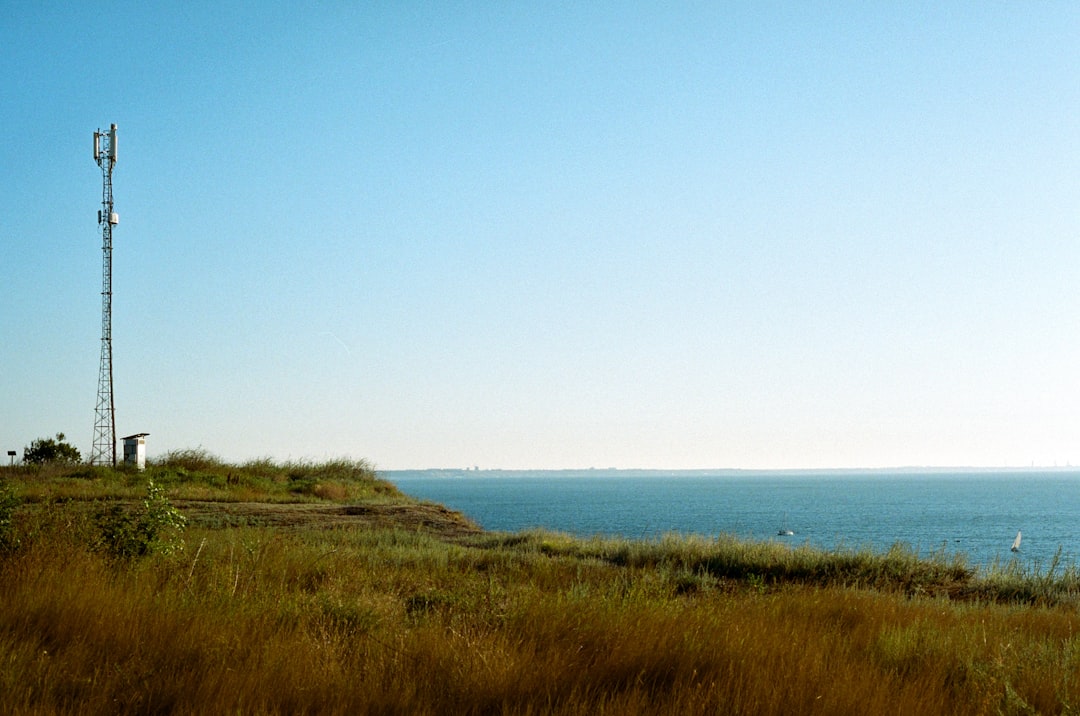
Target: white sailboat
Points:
(785, 531)
(1016, 542)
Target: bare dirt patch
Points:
(432, 518)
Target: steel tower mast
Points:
(104, 450)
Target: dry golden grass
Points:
(380, 620)
(259, 621)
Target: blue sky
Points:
(548, 235)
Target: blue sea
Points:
(976, 513)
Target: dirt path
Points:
(436, 519)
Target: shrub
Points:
(156, 527)
(48, 450)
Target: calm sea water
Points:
(974, 513)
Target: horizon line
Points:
(892, 468)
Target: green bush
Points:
(157, 527)
(48, 450)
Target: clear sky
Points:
(550, 234)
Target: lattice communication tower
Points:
(104, 450)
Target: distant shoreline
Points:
(729, 472)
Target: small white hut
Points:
(135, 450)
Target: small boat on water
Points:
(784, 531)
(1016, 542)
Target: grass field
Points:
(317, 588)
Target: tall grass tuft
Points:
(190, 460)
